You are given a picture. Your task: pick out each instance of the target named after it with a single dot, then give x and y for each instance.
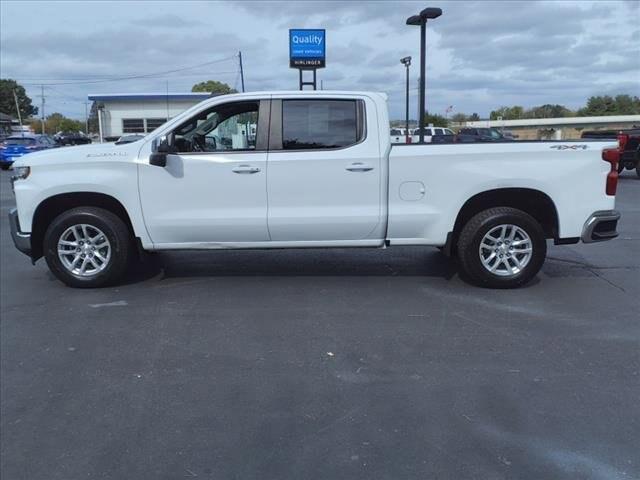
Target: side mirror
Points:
(159, 157)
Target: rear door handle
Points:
(359, 167)
(245, 169)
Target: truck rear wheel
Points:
(88, 247)
(501, 247)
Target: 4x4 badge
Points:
(569, 147)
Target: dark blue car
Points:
(16, 146)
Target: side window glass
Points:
(319, 124)
(438, 131)
(231, 126)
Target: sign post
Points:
(307, 49)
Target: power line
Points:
(132, 77)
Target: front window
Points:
(232, 126)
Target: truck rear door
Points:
(323, 170)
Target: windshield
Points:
(20, 141)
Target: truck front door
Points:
(214, 188)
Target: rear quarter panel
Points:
(572, 174)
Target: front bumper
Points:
(22, 241)
(601, 226)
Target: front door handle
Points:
(245, 169)
(359, 167)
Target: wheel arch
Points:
(534, 202)
(52, 206)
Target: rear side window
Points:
(438, 131)
(320, 124)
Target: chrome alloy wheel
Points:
(506, 250)
(84, 250)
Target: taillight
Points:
(612, 155)
(623, 138)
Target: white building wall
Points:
(115, 111)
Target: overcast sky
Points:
(480, 55)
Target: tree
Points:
(56, 122)
(459, 118)
(607, 105)
(8, 103)
(213, 86)
(548, 111)
(474, 117)
(435, 120)
(508, 113)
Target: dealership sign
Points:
(307, 48)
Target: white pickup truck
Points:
(319, 172)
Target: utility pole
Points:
(15, 97)
(86, 118)
(42, 114)
(241, 70)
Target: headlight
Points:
(20, 173)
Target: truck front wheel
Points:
(88, 247)
(501, 247)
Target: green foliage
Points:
(508, 113)
(459, 118)
(213, 86)
(607, 105)
(8, 103)
(549, 111)
(435, 120)
(56, 122)
(474, 117)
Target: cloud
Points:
(480, 55)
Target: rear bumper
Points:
(601, 226)
(22, 241)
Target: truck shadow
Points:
(398, 261)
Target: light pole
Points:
(406, 61)
(421, 20)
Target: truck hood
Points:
(82, 154)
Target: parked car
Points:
(330, 184)
(398, 135)
(429, 132)
(472, 135)
(16, 146)
(72, 138)
(129, 139)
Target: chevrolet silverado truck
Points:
(308, 169)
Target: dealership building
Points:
(139, 113)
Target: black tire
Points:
(117, 233)
(638, 171)
(620, 167)
(478, 226)
(4, 167)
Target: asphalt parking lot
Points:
(335, 364)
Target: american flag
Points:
(449, 109)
